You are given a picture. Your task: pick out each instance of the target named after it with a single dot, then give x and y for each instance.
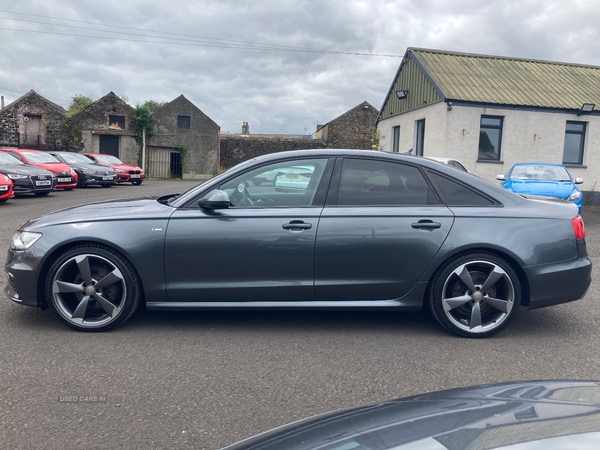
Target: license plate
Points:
(291, 177)
(3, 188)
(43, 183)
(107, 178)
(63, 180)
(135, 175)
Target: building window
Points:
(116, 122)
(420, 136)
(396, 139)
(183, 122)
(490, 138)
(574, 142)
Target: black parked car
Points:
(27, 179)
(367, 230)
(88, 172)
(512, 416)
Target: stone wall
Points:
(236, 149)
(354, 129)
(200, 140)
(12, 125)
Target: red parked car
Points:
(126, 173)
(6, 188)
(66, 177)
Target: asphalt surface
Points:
(182, 380)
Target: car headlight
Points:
(120, 170)
(15, 176)
(22, 240)
(88, 172)
(5, 178)
(574, 196)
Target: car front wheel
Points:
(92, 288)
(475, 295)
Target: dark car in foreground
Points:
(88, 172)
(369, 230)
(126, 173)
(526, 415)
(27, 179)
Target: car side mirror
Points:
(578, 180)
(500, 177)
(216, 199)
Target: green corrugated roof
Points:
(510, 81)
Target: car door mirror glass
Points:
(216, 199)
(578, 180)
(500, 177)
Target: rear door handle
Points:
(296, 225)
(426, 225)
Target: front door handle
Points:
(426, 225)
(296, 225)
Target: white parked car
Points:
(449, 162)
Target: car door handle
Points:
(426, 225)
(296, 225)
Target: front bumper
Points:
(33, 184)
(87, 180)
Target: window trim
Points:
(189, 122)
(440, 193)
(583, 133)
(500, 128)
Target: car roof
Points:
(537, 164)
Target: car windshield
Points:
(74, 158)
(10, 160)
(107, 159)
(540, 173)
(40, 157)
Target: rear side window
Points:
(370, 183)
(456, 194)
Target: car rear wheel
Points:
(475, 295)
(92, 288)
(107, 185)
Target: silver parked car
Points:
(369, 230)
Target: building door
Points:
(109, 145)
(33, 130)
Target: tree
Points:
(78, 103)
(153, 105)
(143, 120)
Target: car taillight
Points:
(578, 227)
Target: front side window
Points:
(373, 183)
(396, 139)
(283, 184)
(420, 137)
(574, 143)
(490, 138)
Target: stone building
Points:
(108, 126)
(185, 142)
(353, 129)
(493, 111)
(33, 121)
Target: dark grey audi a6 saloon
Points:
(352, 229)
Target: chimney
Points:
(2, 103)
(245, 128)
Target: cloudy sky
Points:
(281, 65)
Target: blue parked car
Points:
(543, 179)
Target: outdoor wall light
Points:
(401, 94)
(586, 108)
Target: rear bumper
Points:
(558, 283)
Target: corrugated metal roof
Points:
(510, 81)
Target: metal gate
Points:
(163, 162)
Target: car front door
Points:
(261, 248)
(381, 227)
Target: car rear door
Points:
(381, 227)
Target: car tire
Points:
(41, 194)
(475, 295)
(68, 189)
(136, 182)
(92, 288)
(107, 185)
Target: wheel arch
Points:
(507, 256)
(59, 250)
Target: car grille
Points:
(41, 178)
(135, 171)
